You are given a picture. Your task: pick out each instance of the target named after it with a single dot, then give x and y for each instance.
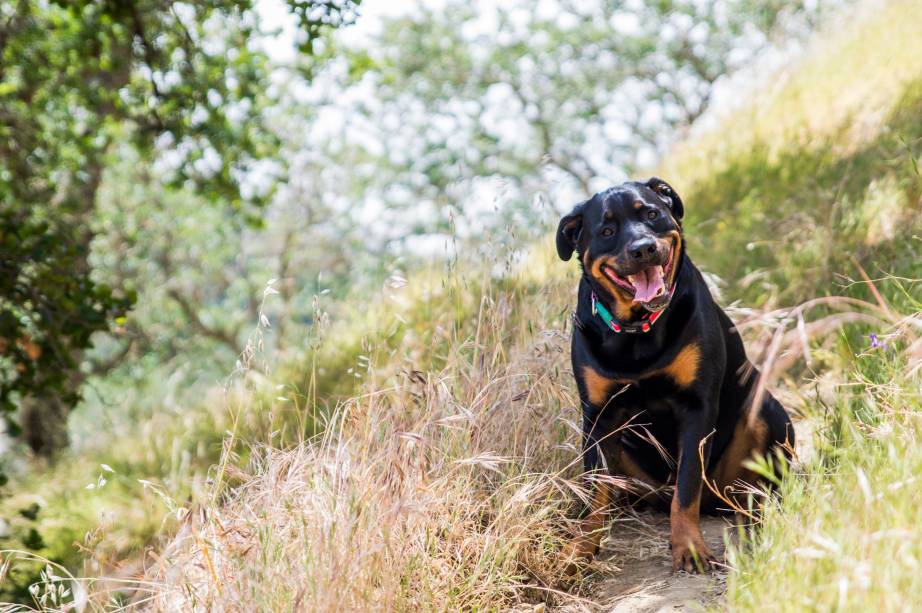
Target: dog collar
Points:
(646, 321)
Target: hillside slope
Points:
(443, 479)
(444, 484)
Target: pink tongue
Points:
(648, 284)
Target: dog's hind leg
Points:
(767, 432)
(780, 428)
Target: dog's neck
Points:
(595, 309)
(641, 326)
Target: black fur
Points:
(646, 396)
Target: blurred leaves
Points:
(508, 100)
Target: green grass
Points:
(817, 169)
(791, 198)
(788, 198)
(847, 535)
(798, 218)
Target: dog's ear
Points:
(665, 190)
(568, 232)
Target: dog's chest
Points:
(653, 398)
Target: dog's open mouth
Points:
(647, 285)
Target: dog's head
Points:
(629, 240)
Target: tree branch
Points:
(191, 313)
(99, 369)
(547, 141)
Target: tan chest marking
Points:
(684, 368)
(597, 386)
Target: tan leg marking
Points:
(627, 466)
(685, 536)
(584, 545)
(747, 441)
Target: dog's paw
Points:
(693, 557)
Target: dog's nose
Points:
(642, 249)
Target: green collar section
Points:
(645, 324)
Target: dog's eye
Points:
(607, 232)
(652, 214)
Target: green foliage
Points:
(47, 313)
(182, 83)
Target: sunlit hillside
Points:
(419, 450)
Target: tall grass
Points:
(848, 533)
(442, 485)
(421, 454)
(98, 523)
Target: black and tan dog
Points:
(662, 374)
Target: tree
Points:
(180, 82)
(557, 97)
(199, 271)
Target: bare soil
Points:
(635, 567)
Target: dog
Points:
(668, 395)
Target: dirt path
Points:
(633, 572)
(637, 568)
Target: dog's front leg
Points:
(689, 551)
(598, 443)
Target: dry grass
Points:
(432, 490)
(443, 484)
(821, 96)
